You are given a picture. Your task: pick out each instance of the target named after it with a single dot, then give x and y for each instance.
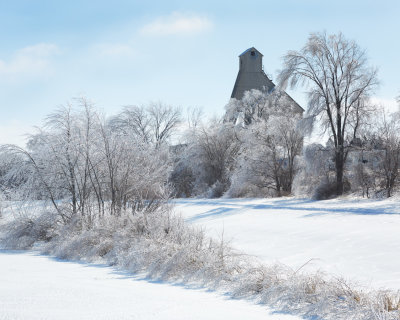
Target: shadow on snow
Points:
(229, 207)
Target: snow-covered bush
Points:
(327, 190)
(208, 159)
(315, 169)
(28, 229)
(182, 179)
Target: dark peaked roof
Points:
(250, 49)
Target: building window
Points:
(253, 53)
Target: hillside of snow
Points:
(357, 239)
(38, 287)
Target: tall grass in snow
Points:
(162, 246)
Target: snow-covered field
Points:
(353, 238)
(39, 287)
(356, 239)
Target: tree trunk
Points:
(339, 152)
(339, 171)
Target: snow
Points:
(352, 238)
(40, 287)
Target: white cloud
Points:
(177, 24)
(31, 60)
(39, 50)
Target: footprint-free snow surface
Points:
(355, 239)
(39, 287)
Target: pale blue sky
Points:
(183, 53)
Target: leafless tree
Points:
(388, 134)
(340, 82)
(270, 149)
(363, 171)
(153, 124)
(62, 146)
(218, 148)
(163, 119)
(270, 140)
(194, 115)
(133, 121)
(208, 158)
(84, 167)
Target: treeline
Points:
(84, 162)
(251, 152)
(88, 165)
(372, 162)
(130, 160)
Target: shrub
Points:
(24, 232)
(327, 190)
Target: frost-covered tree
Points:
(257, 105)
(316, 172)
(11, 178)
(153, 124)
(254, 147)
(388, 143)
(250, 108)
(340, 82)
(363, 169)
(206, 160)
(85, 167)
(267, 163)
(271, 139)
